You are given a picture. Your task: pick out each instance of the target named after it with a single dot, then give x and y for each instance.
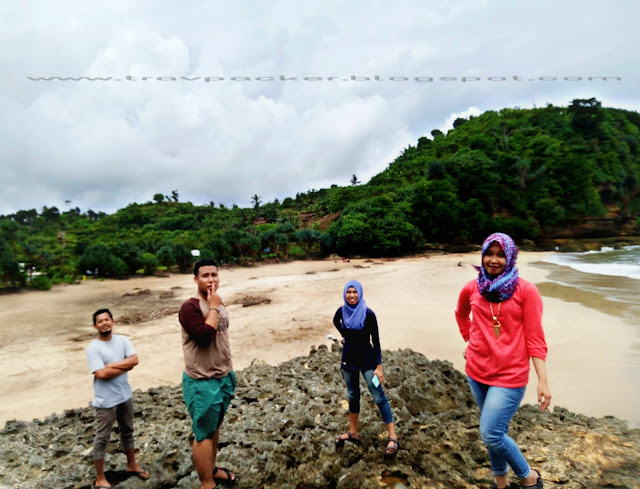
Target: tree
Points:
(351, 233)
(130, 254)
(99, 260)
(183, 257)
(158, 198)
(50, 213)
(256, 202)
(587, 114)
(174, 195)
(354, 180)
(9, 266)
(309, 240)
(150, 263)
(165, 255)
(458, 122)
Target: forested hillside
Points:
(532, 173)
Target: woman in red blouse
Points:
(500, 316)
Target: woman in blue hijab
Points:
(361, 354)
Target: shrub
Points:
(150, 263)
(41, 282)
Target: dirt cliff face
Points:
(279, 433)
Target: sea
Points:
(606, 280)
(622, 262)
(611, 273)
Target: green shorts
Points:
(207, 401)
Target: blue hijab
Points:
(353, 316)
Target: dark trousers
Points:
(105, 417)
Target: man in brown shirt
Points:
(208, 381)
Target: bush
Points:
(296, 252)
(150, 263)
(41, 282)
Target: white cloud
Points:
(448, 123)
(104, 144)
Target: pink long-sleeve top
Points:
(503, 361)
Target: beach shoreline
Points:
(593, 370)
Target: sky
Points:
(274, 98)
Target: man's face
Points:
(104, 324)
(207, 279)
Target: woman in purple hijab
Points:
(499, 314)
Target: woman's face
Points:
(352, 296)
(494, 259)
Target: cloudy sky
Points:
(239, 97)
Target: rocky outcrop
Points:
(280, 429)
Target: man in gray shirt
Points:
(110, 357)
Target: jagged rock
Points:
(279, 432)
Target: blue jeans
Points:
(497, 407)
(352, 379)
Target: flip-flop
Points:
(101, 487)
(140, 474)
(228, 481)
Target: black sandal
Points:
(537, 485)
(229, 481)
(391, 451)
(353, 439)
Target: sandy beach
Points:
(593, 362)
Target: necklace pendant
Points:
(496, 330)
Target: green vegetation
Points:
(526, 172)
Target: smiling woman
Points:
(498, 352)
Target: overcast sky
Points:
(104, 144)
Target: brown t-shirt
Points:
(207, 353)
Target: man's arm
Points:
(194, 324)
(126, 364)
(113, 370)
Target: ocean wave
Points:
(623, 262)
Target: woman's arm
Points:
(463, 310)
(375, 340)
(544, 394)
(375, 335)
(337, 320)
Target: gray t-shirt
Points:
(109, 392)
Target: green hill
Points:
(533, 173)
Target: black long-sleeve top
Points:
(361, 350)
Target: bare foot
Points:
(102, 483)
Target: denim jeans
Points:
(352, 379)
(497, 407)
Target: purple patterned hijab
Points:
(353, 316)
(502, 287)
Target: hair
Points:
(101, 311)
(205, 262)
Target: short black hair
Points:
(205, 262)
(101, 311)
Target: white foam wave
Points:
(619, 266)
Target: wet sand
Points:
(594, 347)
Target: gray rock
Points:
(280, 429)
